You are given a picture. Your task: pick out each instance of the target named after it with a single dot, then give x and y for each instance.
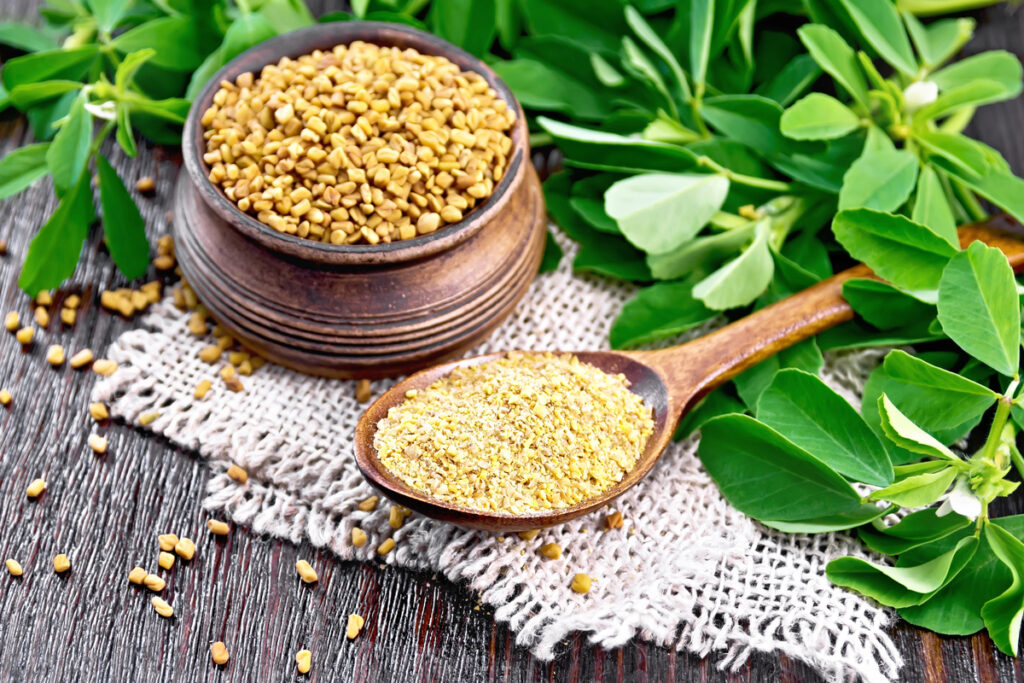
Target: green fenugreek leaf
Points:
(54, 251)
(123, 224)
(22, 167)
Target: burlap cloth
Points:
(685, 571)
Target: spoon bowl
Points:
(671, 381)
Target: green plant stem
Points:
(698, 121)
(1018, 461)
(415, 6)
(995, 431)
(104, 132)
(540, 139)
(750, 181)
(971, 205)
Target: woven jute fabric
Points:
(685, 570)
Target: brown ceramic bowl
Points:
(358, 310)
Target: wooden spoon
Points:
(670, 380)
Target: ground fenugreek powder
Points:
(359, 144)
(523, 433)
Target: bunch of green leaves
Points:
(121, 67)
(715, 165)
(793, 463)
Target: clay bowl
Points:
(358, 310)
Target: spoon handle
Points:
(695, 368)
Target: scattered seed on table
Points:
(580, 583)
(164, 262)
(396, 517)
(363, 391)
(228, 371)
(197, 324)
(217, 527)
(81, 359)
(25, 335)
(219, 653)
(36, 488)
(306, 571)
(154, 583)
(385, 547)
(210, 354)
(68, 316)
(355, 625)
(3, 247)
(167, 541)
(358, 537)
(98, 443)
(145, 186)
(165, 560)
(137, 576)
(72, 301)
(148, 418)
(303, 659)
(55, 355)
(614, 520)
(98, 411)
(529, 535)
(201, 389)
(162, 607)
(238, 474)
(13, 567)
(245, 368)
(368, 505)
(61, 563)
(44, 298)
(42, 316)
(185, 548)
(11, 321)
(5, 397)
(552, 551)
(232, 382)
(104, 367)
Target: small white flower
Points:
(105, 110)
(961, 500)
(918, 94)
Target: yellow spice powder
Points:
(525, 432)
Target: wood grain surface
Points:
(106, 511)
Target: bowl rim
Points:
(324, 37)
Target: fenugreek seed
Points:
(580, 583)
(72, 301)
(238, 474)
(145, 185)
(36, 488)
(164, 262)
(217, 527)
(185, 548)
(14, 567)
(201, 388)
(354, 626)
(98, 443)
(369, 504)
(137, 575)
(68, 316)
(396, 517)
(104, 367)
(44, 298)
(25, 335)
(385, 547)
(552, 551)
(5, 397)
(11, 321)
(3, 247)
(165, 560)
(167, 541)
(98, 411)
(148, 418)
(613, 521)
(233, 383)
(219, 653)
(306, 571)
(245, 368)
(81, 359)
(228, 371)
(358, 537)
(428, 223)
(42, 316)
(210, 354)
(363, 390)
(55, 355)
(61, 563)
(303, 660)
(154, 583)
(529, 535)
(162, 607)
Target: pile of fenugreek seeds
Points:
(363, 143)
(523, 433)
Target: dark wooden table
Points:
(105, 513)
